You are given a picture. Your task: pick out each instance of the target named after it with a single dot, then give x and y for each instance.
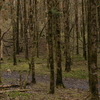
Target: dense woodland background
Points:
(49, 45)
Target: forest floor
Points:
(76, 81)
(75, 89)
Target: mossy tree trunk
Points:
(1, 3)
(50, 46)
(25, 32)
(92, 50)
(13, 33)
(67, 35)
(36, 26)
(56, 13)
(17, 27)
(98, 10)
(77, 27)
(0, 57)
(83, 30)
(32, 30)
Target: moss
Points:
(17, 94)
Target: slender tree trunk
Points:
(98, 22)
(21, 20)
(14, 43)
(59, 82)
(1, 46)
(1, 3)
(83, 31)
(32, 30)
(1, 49)
(77, 27)
(25, 32)
(0, 57)
(14, 33)
(67, 35)
(50, 46)
(36, 26)
(92, 50)
(17, 28)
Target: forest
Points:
(49, 49)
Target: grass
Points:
(18, 94)
(79, 74)
(79, 67)
(40, 91)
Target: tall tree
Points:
(67, 35)
(56, 13)
(1, 4)
(50, 46)
(17, 27)
(92, 49)
(83, 30)
(25, 32)
(32, 30)
(36, 24)
(77, 27)
(0, 44)
(13, 32)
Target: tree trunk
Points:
(56, 8)
(50, 46)
(92, 50)
(67, 35)
(25, 32)
(14, 33)
(83, 31)
(0, 44)
(17, 28)
(36, 26)
(77, 27)
(32, 31)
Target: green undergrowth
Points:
(16, 94)
(79, 68)
(40, 90)
(79, 74)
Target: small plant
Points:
(18, 94)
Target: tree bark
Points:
(83, 31)
(67, 35)
(50, 46)
(92, 50)
(25, 32)
(77, 27)
(56, 14)
(17, 27)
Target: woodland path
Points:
(68, 82)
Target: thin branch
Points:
(4, 34)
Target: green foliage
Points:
(8, 64)
(79, 74)
(17, 94)
(55, 12)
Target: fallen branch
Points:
(4, 34)
(8, 86)
(18, 90)
(11, 86)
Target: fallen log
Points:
(11, 86)
(8, 86)
(17, 90)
